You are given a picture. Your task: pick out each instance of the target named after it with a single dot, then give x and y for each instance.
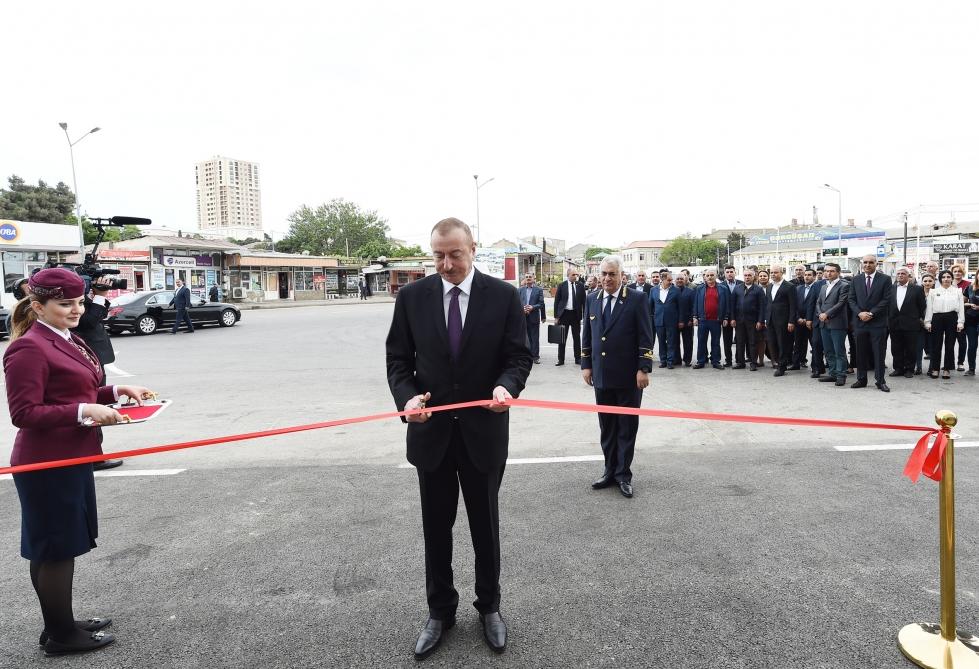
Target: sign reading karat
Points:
(797, 236)
(955, 248)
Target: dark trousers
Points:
(686, 343)
(924, 346)
(852, 342)
(533, 334)
(727, 336)
(818, 360)
(182, 316)
(439, 501)
(618, 431)
(567, 319)
(871, 349)
(961, 338)
(972, 333)
(943, 331)
(780, 344)
(904, 349)
(745, 336)
(669, 345)
(713, 329)
(800, 344)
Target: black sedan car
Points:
(145, 313)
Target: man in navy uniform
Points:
(616, 358)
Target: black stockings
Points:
(52, 582)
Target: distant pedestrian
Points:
(213, 293)
(181, 302)
(362, 286)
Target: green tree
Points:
(374, 249)
(21, 201)
(332, 229)
(736, 241)
(687, 250)
(596, 250)
(406, 251)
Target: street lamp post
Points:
(479, 229)
(74, 181)
(839, 220)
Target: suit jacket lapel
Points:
(616, 310)
(475, 297)
(68, 349)
(437, 304)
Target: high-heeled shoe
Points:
(932, 374)
(946, 375)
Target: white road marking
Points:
(537, 461)
(115, 371)
(125, 472)
(898, 447)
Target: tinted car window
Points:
(161, 299)
(125, 298)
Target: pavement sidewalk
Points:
(288, 304)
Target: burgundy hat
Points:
(57, 284)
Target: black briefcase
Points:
(555, 334)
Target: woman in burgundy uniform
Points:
(55, 400)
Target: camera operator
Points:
(90, 329)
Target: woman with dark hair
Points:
(971, 299)
(761, 343)
(961, 339)
(55, 400)
(944, 317)
(924, 337)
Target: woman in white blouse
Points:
(944, 318)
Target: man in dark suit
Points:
(458, 336)
(569, 300)
(870, 296)
(616, 359)
(181, 302)
(532, 299)
(748, 316)
(685, 300)
(664, 304)
(805, 301)
(905, 318)
(731, 282)
(711, 312)
(641, 284)
(817, 365)
(831, 322)
(91, 330)
(780, 311)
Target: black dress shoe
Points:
(910, 375)
(779, 372)
(841, 381)
(494, 631)
(431, 636)
(686, 364)
(896, 372)
(90, 625)
(882, 387)
(536, 361)
(625, 488)
(727, 364)
(698, 366)
(669, 365)
(662, 365)
(718, 366)
(753, 367)
(794, 368)
(740, 365)
(106, 464)
(559, 363)
(603, 482)
(827, 379)
(859, 384)
(93, 641)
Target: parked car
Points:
(4, 323)
(145, 313)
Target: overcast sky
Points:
(601, 122)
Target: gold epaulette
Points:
(648, 353)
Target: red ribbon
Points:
(921, 460)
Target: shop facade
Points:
(263, 276)
(26, 247)
(963, 252)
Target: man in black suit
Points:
(616, 359)
(569, 300)
(731, 282)
(805, 300)
(780, 310)
(870, 297)
(641, 284)
(91, 330)
(685, 302)
(458, 336)
(535, 311)
(181, 302)
(747, 314)
(905, 318)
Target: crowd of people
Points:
(817, 320)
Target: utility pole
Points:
(906, 239)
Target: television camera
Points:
(90, 270)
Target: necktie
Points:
(870, 281)
(81, 349)
(455, 323)
(574, 304)
(607, 311)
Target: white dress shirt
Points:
(775, 287)
(829, 286)
(570, 305)
(64, 334)
(605, 297)
(663, 292)
(466, 287)
(943, 301)
(900, 293)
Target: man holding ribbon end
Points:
(458, 336)
(616, 358)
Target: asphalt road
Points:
(745, 545)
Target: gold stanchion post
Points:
(941, 646)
